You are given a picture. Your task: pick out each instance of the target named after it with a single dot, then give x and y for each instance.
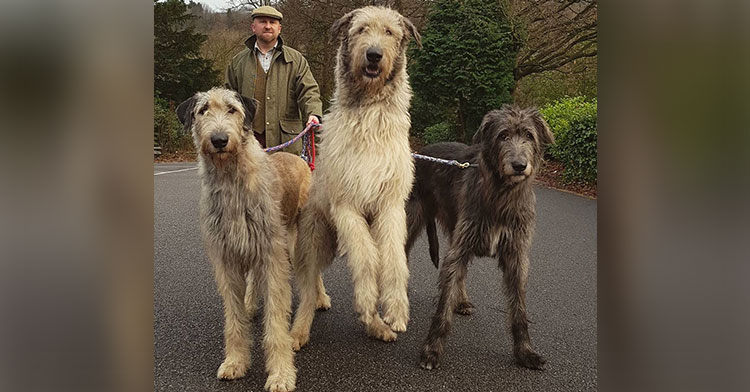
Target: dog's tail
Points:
(432, 239)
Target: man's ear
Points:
(251, 106)
(186, 114)
(409, 27)
(341, 25)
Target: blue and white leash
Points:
(306, 144)
(289, 143)
(452, 162)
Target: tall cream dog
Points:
(364, 175)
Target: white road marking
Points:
(175, 171)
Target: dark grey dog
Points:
(485, 211)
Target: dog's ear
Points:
(341, 25)
(487, 121)
(251, 106)
(542, 129)
(186, 114)
(412, 32)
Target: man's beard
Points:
(266, 41)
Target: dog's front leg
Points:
(452, 271)
(515, 272)
(356, 241)
(237, 335)
(277, 343)
(389, 233)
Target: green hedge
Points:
(573, 122)
(168, 130)
(440, 132)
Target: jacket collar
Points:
(250, 44)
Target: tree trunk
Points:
(462, 119)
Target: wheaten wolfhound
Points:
(248, 211)
(487, 211)
(363, 176)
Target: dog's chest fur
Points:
(502, 218)
(237, 212)
(365, 153)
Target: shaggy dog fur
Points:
(363, 176)
(249, 208)
(485, 211)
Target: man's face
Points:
(266, 29)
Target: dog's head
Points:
(221, 121)
(372, 44)
(513, 141)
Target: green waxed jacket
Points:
(292, 94)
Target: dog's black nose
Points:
(519, 167)
(219, 140)
(374, 54)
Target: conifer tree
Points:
(466, 64)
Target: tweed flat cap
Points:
(266, 11)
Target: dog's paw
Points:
(465, 308)
(299, 339)
(323, 303)
(429, 359)
(395, 324)
(230, 370)
(381, 332)
(530, 359)
(280, 383)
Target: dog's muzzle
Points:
(519, 167)
(219, 140)
(374, 55)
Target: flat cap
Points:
(268, 11)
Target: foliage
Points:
(440, 132)
(573, 122)
(179, 68)
(574, 79)
(425, 113)
(466, 63)
(167, 128)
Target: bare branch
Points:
(557, 32)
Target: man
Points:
(279, 78)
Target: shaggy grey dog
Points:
(248, 211)
(363, 177)
(485, 211)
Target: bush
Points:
(573, 122)
(465, 66)
(440, 132)
(168, 130)
(425, 113)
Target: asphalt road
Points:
(561, 304)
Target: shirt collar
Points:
(275, 47)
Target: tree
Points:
(555, 34)
(251, 4)
(179, 69)
(467, 61)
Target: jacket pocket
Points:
(290, 129)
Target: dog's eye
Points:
(203, 110)
(388, 31)
(530, 136)
(361, 30)
(231, 110)
(504, 136)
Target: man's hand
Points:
(312, 120)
